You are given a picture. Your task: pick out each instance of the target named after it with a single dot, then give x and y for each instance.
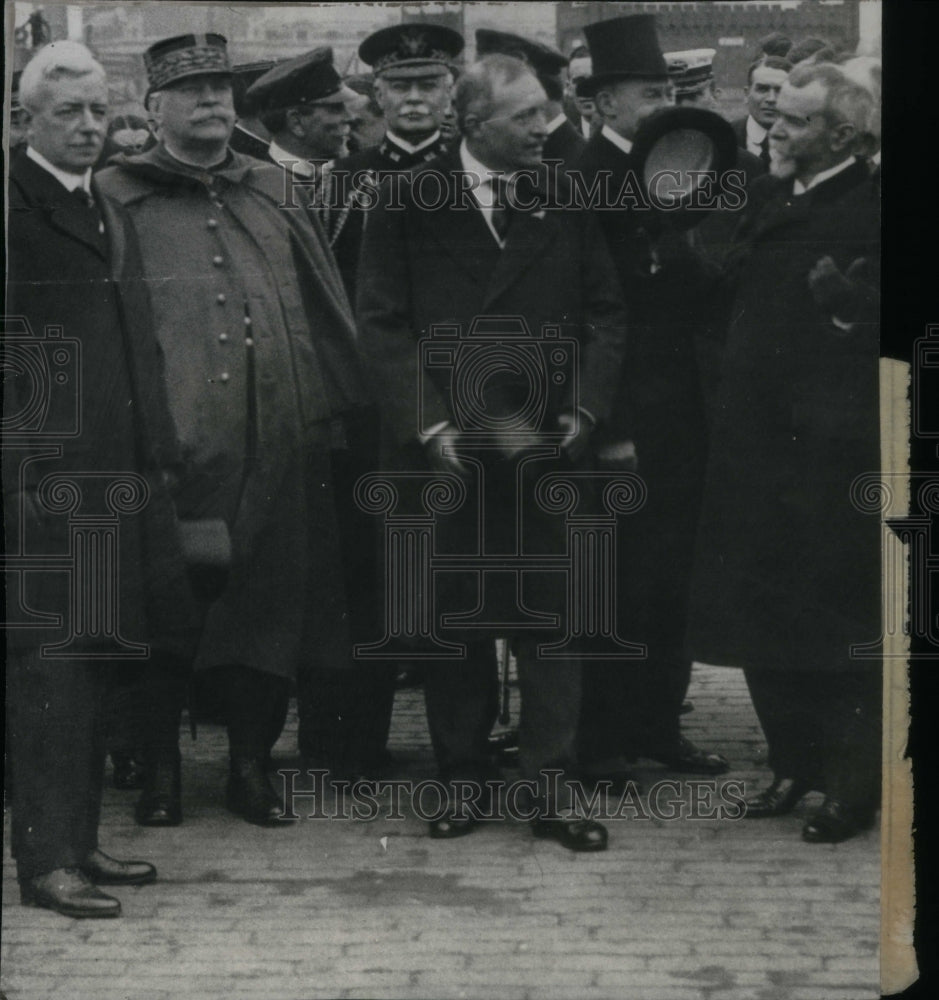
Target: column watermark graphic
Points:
(78, 513)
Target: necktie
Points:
(91, 214)
(764, 151)
(500, 207)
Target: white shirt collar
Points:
(482, 190)
(291, 161)
(755, 133)
(799, 188)
(409, 147)
(619, 141)
(556, 123)
(71, 182)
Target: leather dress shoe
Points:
(129, 772)
(102, 869)
(250, 795)
(780, 798)
(686, 706)
(685, 756)
(449, 827)
(574, 834)
(835, 821)
(68, 891)
(160, 803)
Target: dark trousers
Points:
(823, 728)
(462, 699)
(56, 743)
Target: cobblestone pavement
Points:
(674, 910)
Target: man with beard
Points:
(633, 709)
(262, 374)
(787, 572)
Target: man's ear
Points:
(844, 137)
(295, 123)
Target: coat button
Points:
(249, 342)
(224, 377)
(223, 337)
(211, 223)
(218, 261)
(247, 321)
(220, 298)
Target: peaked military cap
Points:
(690, 69)
(411, 50)
(544, 60)
(308, 79)
(183, 56)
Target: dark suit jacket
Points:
(565, 143)
(422, 269)
(740, 131)
(105, 408)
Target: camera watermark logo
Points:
(509, 399)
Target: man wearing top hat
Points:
(261, 369)
(632, 710)
(412, 65)
(305, 107)
(564, 142)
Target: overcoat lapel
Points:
(529, 239)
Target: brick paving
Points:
(678, 910)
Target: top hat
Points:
(182, 56)
(544, 60)
(690, 70)
(411, 50)
(307, 79)
(624, 48)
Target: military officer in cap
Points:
(305, 106)
(564, 142)
(249, 135)
(262, 371)
(633, 710)
(412, 65)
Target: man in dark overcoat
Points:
(261, 369)
(89, 446)
(469, 258)
(787, 572)
(633, 709)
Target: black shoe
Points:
(102, 869)
(834, 822)
(160, 804)
(574, 834)
(780, 798)
(250, 795)
(448, 827)
(68, 891)
(129, 772)
(685, 756)
(686, 707)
